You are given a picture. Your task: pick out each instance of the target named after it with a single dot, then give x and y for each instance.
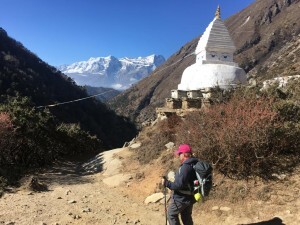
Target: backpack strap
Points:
(185, 192)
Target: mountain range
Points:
(266, 35)
(111, 72)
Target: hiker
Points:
(182, 198)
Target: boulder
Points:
(135, 145)
(154, 198)
(170, 145)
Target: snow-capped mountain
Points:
(112, 72)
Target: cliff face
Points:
(266, 35)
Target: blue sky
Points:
(66, 31)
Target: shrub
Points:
(33, 140)
(6, 128)
(6, 135)
(242, 137)
(37, 138)
(76, 141)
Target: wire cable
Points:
(76, 100)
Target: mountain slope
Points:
(103, 94)
(112, 72)
(22, 73)
(265, 30)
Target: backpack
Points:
(204, 177)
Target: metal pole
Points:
(165, 193)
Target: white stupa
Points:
(214, 61)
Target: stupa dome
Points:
(196, 77)
(214, 61)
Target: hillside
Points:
(22, 74)
(266, 35)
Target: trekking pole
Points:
(165, 195)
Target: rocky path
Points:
(101, 192)
(76, 199)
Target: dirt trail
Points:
(107, 192)
(77, 199)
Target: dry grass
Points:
(154, 138)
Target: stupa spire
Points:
(218, 13)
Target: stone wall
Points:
(173, 103)
(182, 102)
(188, 103)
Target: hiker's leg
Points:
(173, 212)
(186, 215)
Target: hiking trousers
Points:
(184, 209)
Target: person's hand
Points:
(164, 181)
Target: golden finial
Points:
(218, 13)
